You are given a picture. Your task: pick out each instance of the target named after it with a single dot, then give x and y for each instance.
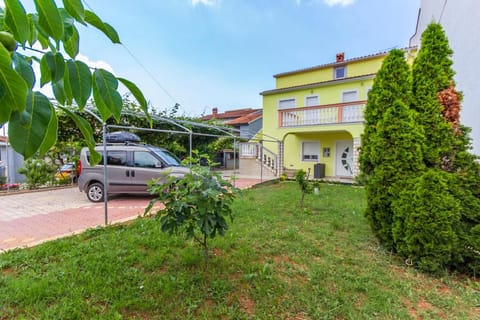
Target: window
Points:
(349, 96)
(287, 103)
(310, 151)
(168, 157)
(326, 152)
(311, 101)
(114, 158)
(145, 159)
(339, 72)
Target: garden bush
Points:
(427, 222)
(37, 172)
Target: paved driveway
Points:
(31, 218)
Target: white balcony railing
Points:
(349, 112)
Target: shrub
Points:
(302, 179)
(196, 204)
(427, 220)
(37, 172)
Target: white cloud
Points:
(100, 64)
(342, 3)
(205, 2)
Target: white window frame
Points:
(311, 157)
(339, 68)
(312, 96)
(349, 91)
(287, 99)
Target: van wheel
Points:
(95, 192)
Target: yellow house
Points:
(315, 115)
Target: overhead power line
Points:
(147, 71)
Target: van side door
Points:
(118, 176)
(146, 166)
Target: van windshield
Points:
(168, 157)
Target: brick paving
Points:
(28, 219)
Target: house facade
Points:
(316, 114)
(460, 20)
(247, 121)
(10, 162)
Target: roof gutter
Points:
(318, 84)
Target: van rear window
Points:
(114, 158)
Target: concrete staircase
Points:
(252, 168)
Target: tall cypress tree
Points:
(446, 156)
(392, 82)
(432, 73)
(391, 143)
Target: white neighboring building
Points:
(10, 160)
(461, 22)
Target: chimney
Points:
(215, 112)
(340, 57)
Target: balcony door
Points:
(352, 113)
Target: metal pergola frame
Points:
(227, 133)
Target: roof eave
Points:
(333, 64)
(318, 84)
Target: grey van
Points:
(129, 167)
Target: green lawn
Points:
(276, 262)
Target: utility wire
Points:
(443, 9)
(152, 77)
(150, 74)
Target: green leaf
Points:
(51, 134)
(67, 87)
(80, 81)
(71, 45)
(52, 67)
(59, 92)
(38, 33)
(24, 69)
(45, 74)
(13, 89)
(68, 24)
(32, 38)
(27, 129)
(107, 99)
(44, 42)
(16, 20)
(132, 87)
(111, 33)
(49, 18)
(92, 19)
(87, 133)
(75, 9)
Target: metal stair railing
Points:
(266, 157)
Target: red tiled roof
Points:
(370, 56)
(231, 114)
(246, 119)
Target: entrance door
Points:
(344, 158)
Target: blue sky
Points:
(222, 53)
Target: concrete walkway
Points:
(28, 219)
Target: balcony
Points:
(347, 112)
